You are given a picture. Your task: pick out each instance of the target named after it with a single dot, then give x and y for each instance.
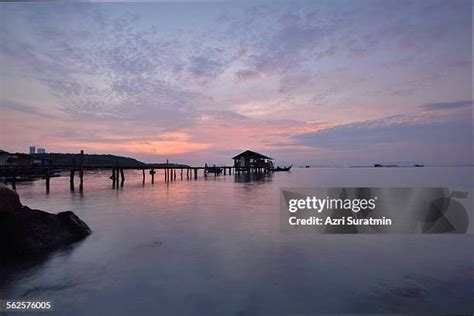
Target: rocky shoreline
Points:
(27, 233)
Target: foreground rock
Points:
(9, 199)
(26, 233)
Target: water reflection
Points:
(253, 176)
(13, 271)
(214, 246)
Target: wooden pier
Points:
(15, 173)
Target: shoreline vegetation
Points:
(100, 160)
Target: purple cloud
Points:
(446, 105)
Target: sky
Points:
(305, 82)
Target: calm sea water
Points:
(214, 247)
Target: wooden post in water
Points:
(117, 175)
(152, 173)
(81, 171)
(181, 173)
(14, 179)
(143, 174)
(113, 178)
(167, 171)
(174, 174)
(71, 179)
(47, 175)
(195, 173)
(123, 177)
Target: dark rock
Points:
(75, 224)
(26, 233)
(9, 199)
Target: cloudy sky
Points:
(317, 82)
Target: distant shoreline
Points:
(386, 167)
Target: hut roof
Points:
(251, 154)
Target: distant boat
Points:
(307, 166)
(418, 165)
(281, 168)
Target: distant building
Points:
(32, 150)
(41, 151)
(251, 159)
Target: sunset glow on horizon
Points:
(305, 82)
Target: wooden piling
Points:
(113, 177)
(174, 174)
(47, 177)
(81, 171)
(71, 179)
(195, 173)
(152, 173)
(181, 173)
(143, 174)
(14, 179)
(123, 176)
(117, 176)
